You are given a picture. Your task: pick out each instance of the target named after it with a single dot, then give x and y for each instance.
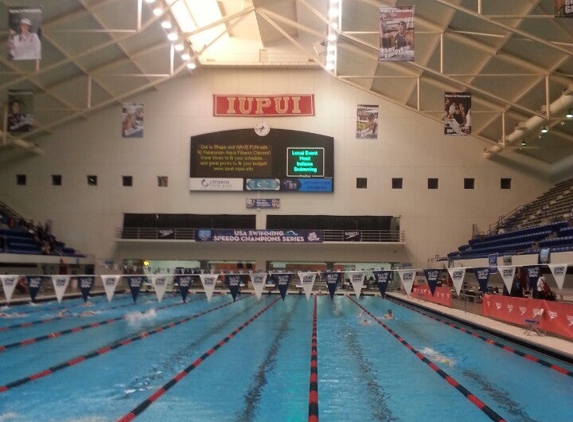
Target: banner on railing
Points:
(261, 236)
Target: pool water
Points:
(250, 360)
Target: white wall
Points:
(409, 146)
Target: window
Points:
(127, 180)
(162, 181)
(56, 180)
(505, 183)
(21, 179)
(92, 180)
(469, 183)
(396, 183)
(361, 183)
(432, 183)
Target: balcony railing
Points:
(154, 233)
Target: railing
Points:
(154, 233)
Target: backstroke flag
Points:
(109, 285)
(258, 280)
(135, 282)
(307, 280)
(233, 282)
(457, 113)
(482, 275)
(60, 283)
(457, 276)
(184, 282)
(209, 281)
(407, 277)
(34, 285)
(332, 279)
(85, 283)
(357, 280)
(396, 31)
(8, 285)
(382, 278)
(432, 277)
(507, 273)
(159, 285)
(558, 271)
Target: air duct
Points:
(562, 104)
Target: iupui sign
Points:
(263, 105)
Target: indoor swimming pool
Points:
(269, 360)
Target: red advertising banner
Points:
(557, 317)
(442, 295)
(263, 105)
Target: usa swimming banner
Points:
(432, 277)
(184, 282)
(396, 31)
(262, 236)
(85, 284)
(482, 275)
(135, 283)
(457, 275)
(233, 282)
(332, 280)
(382, 280)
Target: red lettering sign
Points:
(263, 106)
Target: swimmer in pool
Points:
(389, 315)
(14, 315)
(66, 311)
(363, 320)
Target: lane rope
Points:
(103, 350)
(166, 387)
(488, 340)
(450, 380)
(313, 385)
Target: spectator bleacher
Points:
(20, 236)
(546, 222)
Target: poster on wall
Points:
(457, 113)
(132, 120)
(24, 33)
(20, 111)
(396, 31)
(366, 121)
(563, 8)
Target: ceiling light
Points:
(329, 66)
(158, 11)
(173, 36)
(331, 37)
(179, 46)
(186, 56)
(191, 65)
(166, 24)
(569, 114)
(544, 129)
(149, 1)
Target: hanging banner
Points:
(263, 203)
(559, 271)
(382, 278)
(357, 280)
(258, 280)
(396, 31)
(159, 283)
(407, 278)
(507, 273)
(544, 256)
(457, 113)
(20, 111)
(135, 282)
(234, 282)
(367, 121)
(332, 279)
(9, 283)
(60, 283)
(34, 284)
(283, 281)
(307, 280)
(457, 275)
(24, 32)
(563, 8)
(209, 281)
(85, 283)
(184, 282)
(492, 259)
(132, 120)
(432, 277)
(109, 284)
(264, 236)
